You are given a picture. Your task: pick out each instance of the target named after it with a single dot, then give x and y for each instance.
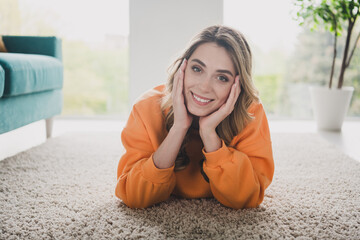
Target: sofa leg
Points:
(49, 125)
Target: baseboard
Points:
(22, 139)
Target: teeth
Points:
(200, 99)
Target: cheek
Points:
(189, 82)
(223, 93)
(192, 79)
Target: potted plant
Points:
(330, 104)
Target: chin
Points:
(199, 113)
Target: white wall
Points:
(159, 31)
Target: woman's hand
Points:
(208, 124)
(166, 154)
(182, 119)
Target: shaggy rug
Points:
(64, 189)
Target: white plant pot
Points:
(330, 106)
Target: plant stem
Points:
(334, 57)
(346, 51)
(353, 50)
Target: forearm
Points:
(234, 180)
(211, 140)
(165, 155)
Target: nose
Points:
(205, 84)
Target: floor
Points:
(11, 143)
(347, 140)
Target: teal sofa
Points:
(31, 81)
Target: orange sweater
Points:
(238, 176)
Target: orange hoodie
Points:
(238, 176)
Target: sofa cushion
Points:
(24, 109)
(27, 73)
(2, 81)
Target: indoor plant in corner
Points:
(330, 104)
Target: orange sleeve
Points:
(139, 183)
(239, 175)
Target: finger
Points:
(238, 87)
(234, 94)
(183, 65)
(175, 83)
(181, 76)
(176, 80)
(177, 93)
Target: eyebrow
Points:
(219, 70)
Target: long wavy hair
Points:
(238, 49)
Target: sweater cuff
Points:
(218, 157)
(154, 174)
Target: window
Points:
(95, 48)
(288, 58)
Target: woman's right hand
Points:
(182, 119)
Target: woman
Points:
(203, 135)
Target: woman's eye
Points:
(196, 69)
(223, 79)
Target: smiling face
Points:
(209, 75)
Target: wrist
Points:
(179, 129)
(207, 133)
(211, 140)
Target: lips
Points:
(200, 100)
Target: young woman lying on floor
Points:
(204, 134)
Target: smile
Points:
(200, 100)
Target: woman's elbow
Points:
(251, 199)
(131, 203)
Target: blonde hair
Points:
(238, 49)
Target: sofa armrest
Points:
(50, 46)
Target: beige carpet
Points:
(64, 189)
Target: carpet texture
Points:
(64, 189)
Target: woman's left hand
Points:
(208, 124)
